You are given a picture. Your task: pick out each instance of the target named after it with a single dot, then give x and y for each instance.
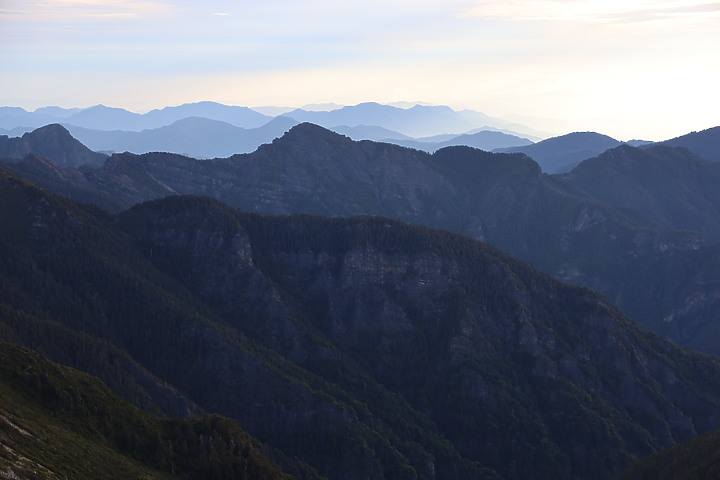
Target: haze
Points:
(629, 69)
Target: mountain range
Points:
(367, 347)
(360, 348)
(101, 117)
(207, 129)
(574, 226)
(418, 120)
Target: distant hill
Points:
(705, 143)
(561, 154)
(369, 132)
(416, 121)
(13, 117)
(243, 117)
(487, 140)
(54, 142)
(101, 117)
(670, 186)
(195, 137)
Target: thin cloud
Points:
(60, 11)
(594, 10)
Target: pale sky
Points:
(626, 68)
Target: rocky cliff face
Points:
(364, 347)
(501, 358)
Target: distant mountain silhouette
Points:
(561, 154)
(670, 186)
(414, 122)
(243, 117)
(705, 143)
(194, 136)
(13, 117)
(100, 117)
(17, 131)
(54, 142)
(487, 140)
(369, 132)
(484, 140)
(58, 112)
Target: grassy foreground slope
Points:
(59, 423)
(696, 459)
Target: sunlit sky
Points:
(627, 68)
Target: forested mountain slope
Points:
(57, 422)
(552, 222)
(365, 347)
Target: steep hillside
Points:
(696, 459)
(705, 143)
(560, 154)
(671, 186)
(74, 288)
(364, 347)
(56, 422)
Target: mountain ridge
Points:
(463, 339)
(52, 141)
(57, 422)
(406, 339)
(557, 226)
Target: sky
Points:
(627, 68)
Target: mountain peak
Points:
(50, 129)
(310, 130)
(52, 141)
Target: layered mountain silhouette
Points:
(561, 154)
(419, 120)
(487, 140)
(193, 136)
(101, 117)
(363, 347)
(52, 141)
(647, 253)
(705, 143)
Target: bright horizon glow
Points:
(626, 68)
